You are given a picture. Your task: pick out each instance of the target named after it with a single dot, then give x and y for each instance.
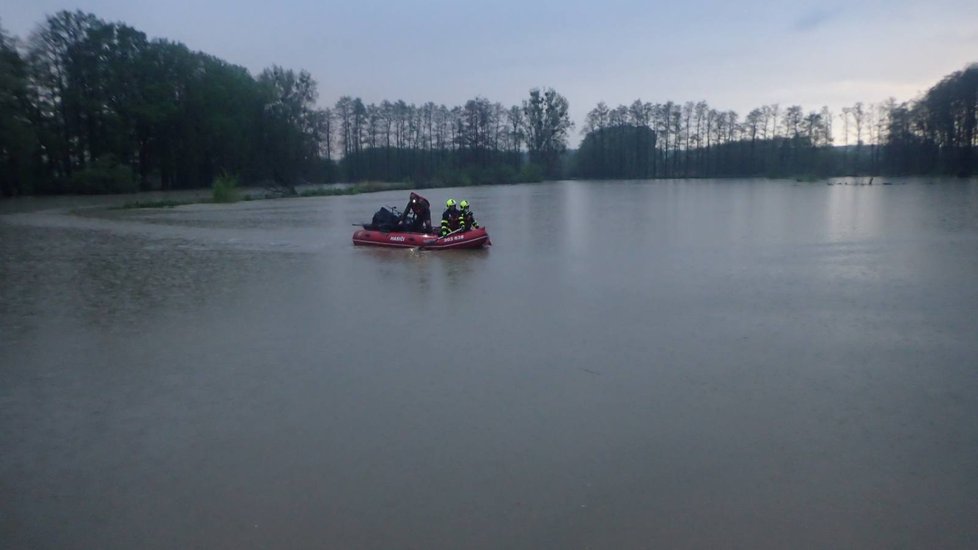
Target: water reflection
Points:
(429, 273)
(854, 212)
(459, 269)
(577, 236)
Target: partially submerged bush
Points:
(530, 173)
(105, 175)
(226, 189)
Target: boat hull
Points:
(473, 238)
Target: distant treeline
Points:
(88, 106)
(932, 135)
(646, 140)
(480, 142)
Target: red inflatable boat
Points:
(473, 238)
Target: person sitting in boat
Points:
(451, 218)
(468, 218)
(417, 215)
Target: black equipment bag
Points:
(384, 220)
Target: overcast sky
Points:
(735, 55)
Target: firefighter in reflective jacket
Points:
(468, 218)
(451, 219)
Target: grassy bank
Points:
(221, 195)
(165, 203)
(225, 196)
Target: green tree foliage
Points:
(54, 55)
(478, 142)
(936, 134)
(644, 140)
(617, 152)
(291, 127)
(19, 147)
(104, 175)
(105, 96)
(88, 106)
(547, 125)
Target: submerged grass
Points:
(356, 189)
(225, 190)
(165, 203)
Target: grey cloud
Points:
(816, 18)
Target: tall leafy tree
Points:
(292, 126)
(18, 140)
(54, 58)
(547, 127)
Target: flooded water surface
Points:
(745, 364)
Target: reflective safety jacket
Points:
(451, 220)
(468, 220)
